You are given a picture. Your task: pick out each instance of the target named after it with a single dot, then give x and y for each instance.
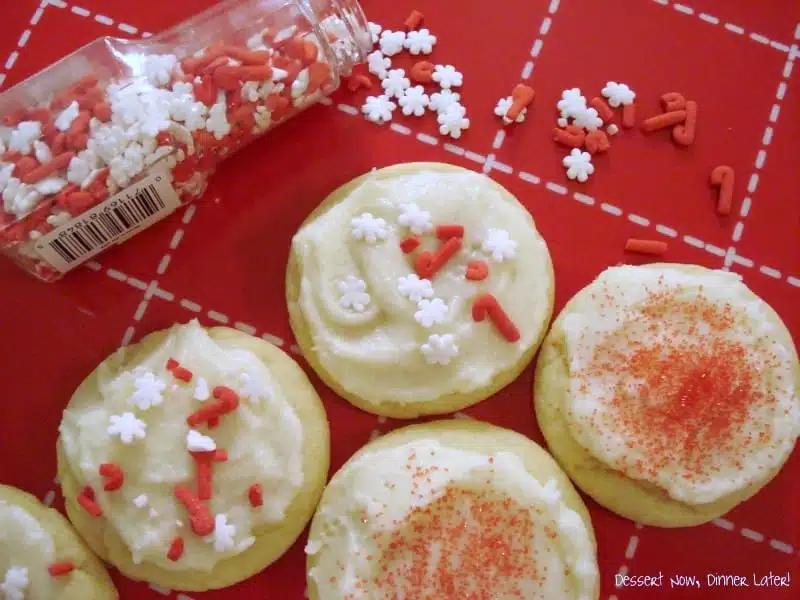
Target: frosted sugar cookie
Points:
(41, 556)
(451, 509)
(419, 289)
(195, 458)
(669, 393)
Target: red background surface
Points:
(227, 262)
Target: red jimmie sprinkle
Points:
(571, 136)
(473, 529)
(477, 270)
(88, 492)
(603, 109)
(205, 471)
(172, 364)
(652, 247)
(175, 549)
(487, 305)
(445, 232)
(409, 244)
(88, 504)
(414, 20)
(205, 483)
(226, 401)
(114, 476)
(357, 82)
(695, 393)
(723, 177)
(629, 115)
(684, 134)
(60, 568)
(226, 398)
(427, 264)
(200, 517)
(255, 495)
(673, 101)
(182, 373)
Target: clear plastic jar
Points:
(159, 113)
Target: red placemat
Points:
(222, 260)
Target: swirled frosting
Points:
(389, 337)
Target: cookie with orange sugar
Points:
(451, 509)
(668, 392)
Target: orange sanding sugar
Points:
(686, 393)
(467, 543)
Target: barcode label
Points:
(121, 216)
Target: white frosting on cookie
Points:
(26, 548)
(427, 520)
(375, 351)
(678, 380)
(263, 438)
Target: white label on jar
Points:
(113, 221)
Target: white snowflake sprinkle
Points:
(353, 294)
(501, 110)
(197, 442)
(431, 312)
(253, 388)
(369, 228)
(618, 94)
(395, 83)
(414, 101)
(588, 119)
(420, 42)
(378, 64)
(579, 165)
(141, 501)
(414, 288)
(148, 390)
(378, 109)
(127, 427)
(439, 349)
(392, 42)
(499, 245)
(453, 121)
(612, 129)
(223, 535)
(572, 103)
(15, 583)
(374, 31)
(442, 101)
(416, 219)
(201, 390)
(447, 76)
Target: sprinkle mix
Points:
(95, 136)
(398, 90)
(417, 287)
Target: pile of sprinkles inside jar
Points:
(182, 115)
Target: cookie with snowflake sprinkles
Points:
(451, 509)
(669, 393)
(419, 289)
(42, 557)
(195, 458)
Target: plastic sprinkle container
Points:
(109, 140)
